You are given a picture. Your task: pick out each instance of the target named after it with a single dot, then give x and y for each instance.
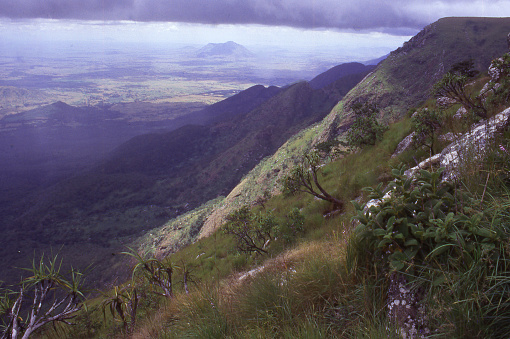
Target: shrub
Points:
(365, 130)
(252, 232)
(426, 221)
(426, 123)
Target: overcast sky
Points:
(387, 22)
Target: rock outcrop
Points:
(467, 150)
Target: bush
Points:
(426, 221)
(365, 130)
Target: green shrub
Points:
(426, 221)
(365, 130)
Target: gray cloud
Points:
(340, 14)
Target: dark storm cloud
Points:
(341, 14)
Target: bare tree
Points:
(304, 178)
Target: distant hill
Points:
(13, 99)
(241, 103)
(60, 113)
(337, 72)
(227, 49)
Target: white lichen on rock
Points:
(468, 149)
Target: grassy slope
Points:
(392, 86)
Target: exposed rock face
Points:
(406, 309)
(469, 149)
(445, 102)
(404, 145)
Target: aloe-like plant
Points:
(157, 272)
(122, 304)
(54, 298)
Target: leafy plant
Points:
(500, 83)
(422, 222)
(453, 86)
(293, 225)
(426, 123)
(252, 232)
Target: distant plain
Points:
(100, 73)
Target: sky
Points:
(352, 23)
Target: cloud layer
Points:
(340, 14)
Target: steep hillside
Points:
(154, 177)
(392, 85)
(405, 78)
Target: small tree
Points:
(304, 178)
(464, 68)
(426, 123)
(453, 86)
(187, 275)
(252, 232)
(292, 226)
(365, 130)
(53, 299)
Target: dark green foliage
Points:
(501, 69)
(464, 68)
(254, 231)
(422, 223)
(365, 130)
(293, 225)
(426, 123)
(326, 146)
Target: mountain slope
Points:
(392, 85)
(406, 77)
(154, 177)
(241, 103)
